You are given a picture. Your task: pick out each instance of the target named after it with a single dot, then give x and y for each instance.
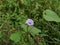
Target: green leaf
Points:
(0, 34)
(43, 35)
(24, 27)
(27, 2)
(15, 37)
(50, 15)
(56, 39)
(33, 30)
(31, 41)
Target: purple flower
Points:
(29, 22)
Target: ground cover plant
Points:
(29, 22)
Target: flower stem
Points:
(27, 33)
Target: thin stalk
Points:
(27, 33)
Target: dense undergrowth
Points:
(14, 13)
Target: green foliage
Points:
(15, 37)
(33, 30)
(46, 16)
(50, 16)
(0, 34)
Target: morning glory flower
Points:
(29, 22)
